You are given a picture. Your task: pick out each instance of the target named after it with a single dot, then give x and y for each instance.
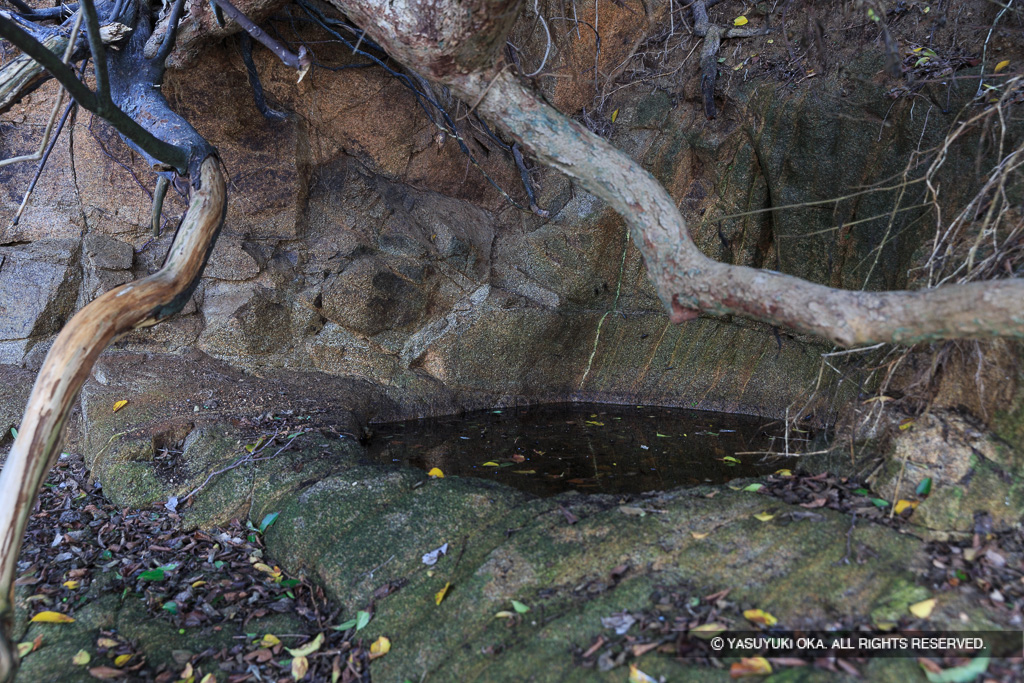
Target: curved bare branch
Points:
(687, 281)
(69, 362)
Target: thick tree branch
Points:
(70, 360)
(687, 281)
(99, 103)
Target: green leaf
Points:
(171, 607)
(925, 487)
(218, 564)
(878, 502)
(14, 432)
(861, 492)
(345, 626)
(731, 459)
(268, 520)
(290, 583)
(362, 619)
(520, 607)
(158, 574)
(664, 436)
(960, 674)
(753, 487)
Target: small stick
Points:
(162, 183)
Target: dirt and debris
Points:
(79, 547)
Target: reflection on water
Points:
(590, 448)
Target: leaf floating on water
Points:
(307, 649)
(120, 404)
(380, 647)
(436, 473)
(81, 658)
(439, 596)
(764, 516)
(923, 609)
(759, 616)
(520, 607)
(48, 617)
(638, 676)
(750, 666)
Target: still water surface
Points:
(600, 448)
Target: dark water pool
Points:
(590, 448)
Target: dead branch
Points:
(463, 55)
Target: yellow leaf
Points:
(764, 516)
(759, 616)
(121, 660)
(750, 666)
(436, 473)
(491, 463)
(706, 631)
(120, 404)
(81, 658)
(71, 585)
(638, 676)
(784, 473)
(269, 640)
(699, 535)
(307, 649)
(439, 596)
(300, 665)
(209, 678)
(739, 21)
(187, 673)
(923, 609)
(24, 649)
(504, 614)
(197, 584)
(999, 67)
(106, 643)
(906, 424)
(52, 618)
(615, 114)
(380, 647)
(902, 505)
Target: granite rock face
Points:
(362, 243)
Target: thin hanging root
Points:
(69, 362)
(162, 183)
